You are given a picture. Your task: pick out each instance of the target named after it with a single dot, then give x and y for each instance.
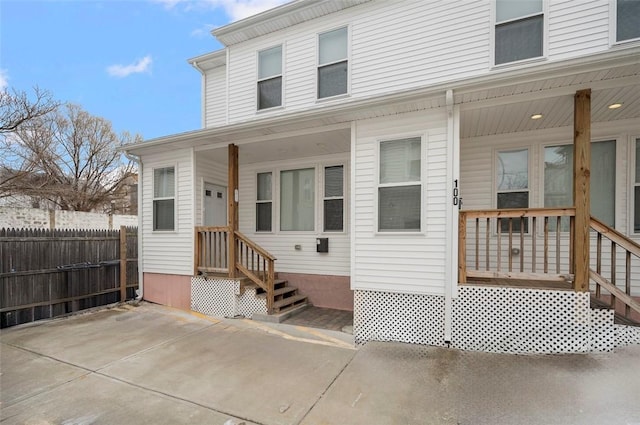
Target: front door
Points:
(215, 205)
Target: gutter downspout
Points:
(137, 160)
(450, 222)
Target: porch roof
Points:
(497, 102)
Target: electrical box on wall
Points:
(322, 244)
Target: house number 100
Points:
(456, 200)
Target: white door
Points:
(215, 205)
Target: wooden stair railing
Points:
(212, 244)
(631, 252)
(257, 264)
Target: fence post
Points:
(123, 263)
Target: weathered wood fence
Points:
(49, 273)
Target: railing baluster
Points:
(546, 244)
(627, 282)
(509, 256)
(487, 242)
(477, 243)
(598, 261)
(613, 272)
(499, 243)
(521, 244)
(558, 223)
(572, 230)
(534, 238)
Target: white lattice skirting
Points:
(223, 298)
(494, 319)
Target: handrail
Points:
(266, 254)
(498, 240)
(630, 250)
(257, 264)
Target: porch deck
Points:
(522, 283)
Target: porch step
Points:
(618, 318)
(289, 302)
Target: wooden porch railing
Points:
(610, 264)
(531, 244)
(212, 245)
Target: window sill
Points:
(333, 98)
(267, 110)
(623, 44)
(412, 233)
(520, 63)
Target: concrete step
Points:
(281, 316)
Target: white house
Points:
(412, 161)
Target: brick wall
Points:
(33, 218)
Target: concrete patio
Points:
(156, 365)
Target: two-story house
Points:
(462, 173)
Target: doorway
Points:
(215, 205)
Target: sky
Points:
(123, 60)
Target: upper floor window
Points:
(512, 184)
(164, 184)
(627, 19)
(264, 203)
(334, 198)
(270, 78)
(333, 63)
(400, 185)
(519, 31)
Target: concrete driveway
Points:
(150, 364)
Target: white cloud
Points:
(142, 65)
(203, 31)
(235, 9)
(4, 79)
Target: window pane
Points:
(297, 196)
(333, 213)
(163, 214)
(263, 217)
(270, 93)
(513, 170)
(332, 80)
(513, 200)
(333, 46)
(558, 176)
(164, 182)
(270, 62)
(519, 40)
(400, 160)
(511, 9)
(603, 181)
(628, 20)
(399, 208)
(636, 215)
(637, 160)
(264, 186)
(333, 181)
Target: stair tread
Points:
(289, 300)
(284, 290)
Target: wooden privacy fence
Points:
(49, 273)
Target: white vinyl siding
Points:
(170, 251)
(215, 102)
(396, 262)
(459, 46)
(282, 244)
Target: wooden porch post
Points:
(232, 210)
(581, 187)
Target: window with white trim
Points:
(512, 184)
(519, 30)
(627, 20)
(334, 198)
(297, 200)
(400, 185)
(636, 190)
(558, 179)
(264, 202)
(164, 184)
(270, 78)
(333, 63)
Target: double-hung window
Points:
(334, 198)
(558, 179)
(270, 78)
(333, 63)
(636, 190)
(264, 203)
(164, 184)
(512, 184)
(519, 30)
(400, 185)
(627, 20)
(297, 200)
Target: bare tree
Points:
(69, 158)
(17, 108)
